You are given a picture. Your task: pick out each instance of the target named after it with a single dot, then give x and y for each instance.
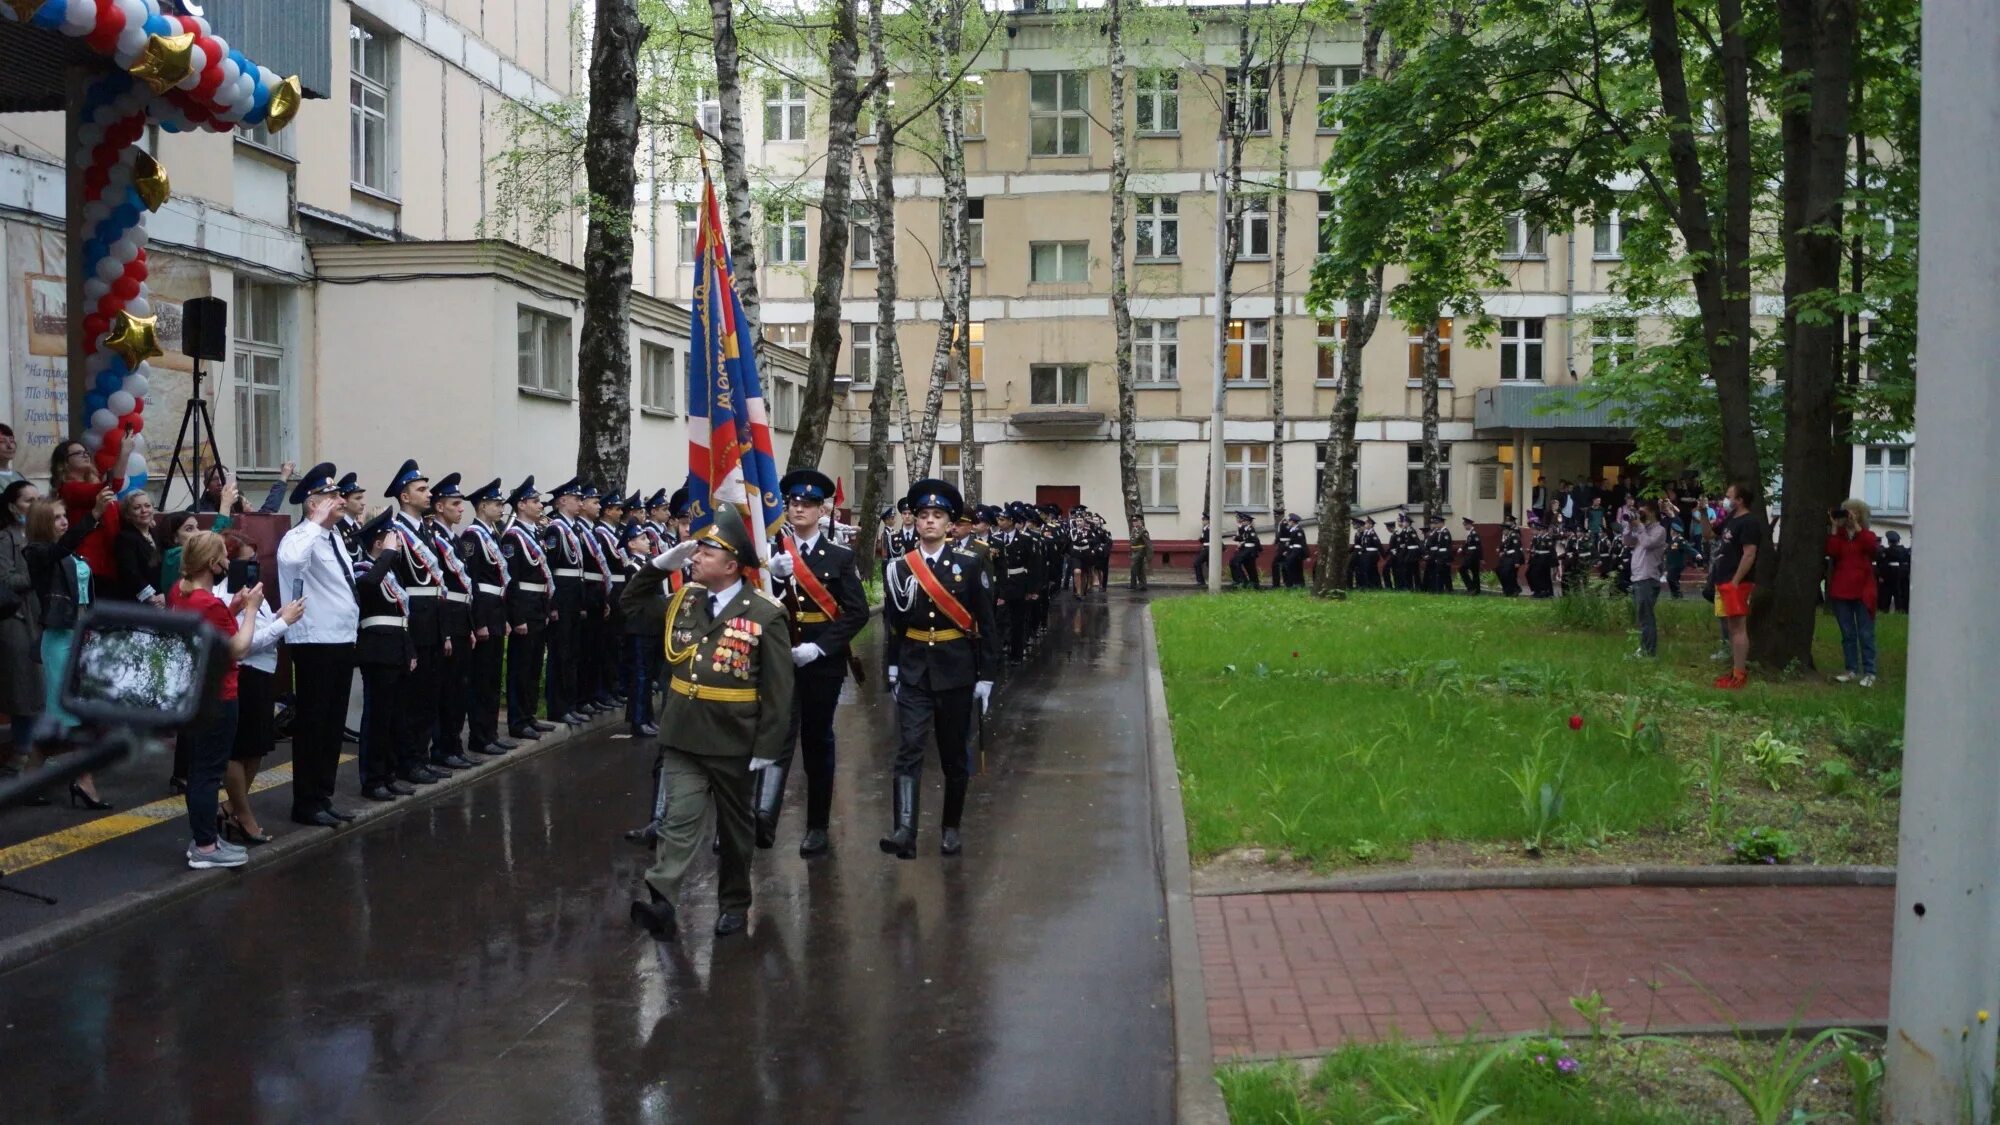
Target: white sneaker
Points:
(1867, 681)
(224, 855)
(1844, 678)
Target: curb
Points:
(41, 942)
(1197, 1098)
(1572, 878)
(1761, 1032)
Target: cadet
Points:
(1289, 567)
(591, 647)
(1508, 566)
(1243, 560)
(421, 576)
(940, 654)
(1471, 557)
(1141, 546)
(383, 652)
(1542, 563)
(729, 650)
(1371, 555)
(1437, 565)
(455, 619)
(567, 557)
(1404, 550)
(1034, 584)
(820, 588)
(479, 550)
(1201, 554)
(645, 629)
(609, 529)
(530, 611)
(353, 507)
(1892, 575)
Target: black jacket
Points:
(835, 568)
(382, 644)
(479, 552)
(923, 660)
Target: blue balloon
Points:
(127, 215)
(50, 17)
(160, 25)
(94, 401)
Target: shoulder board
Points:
(773, 602)
(966, 551)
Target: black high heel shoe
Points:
(78, 799)
(230, 828)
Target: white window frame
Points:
(688, 218)
(785, 107)
(975, 231)
(1413, 371)
(1321, 243)
(1246, 476)
(261, 371)
(1329, 341)
(259, 136)
(1253, 369)
(973, 122)
(1523, 349)
(785, 396)
(1156, 106)
(659, 372)
(1156, 353)
(951, 469)
(708, 108)
(1159, 464)
(1156, 222)
(1068, 112)
(785, 234)
(1259, 78)
(975, 354)
(361, 88)
(1413, 482)
(1353, 479)
(1256, 229)
(861, 244)
(1071, 260)
(1524, 239)
(545, 366)
(1877, 472)
(1334, 80)
(793, 336)
(861, 352)
(1607, 239)
(1071, 386)
(1614, 341)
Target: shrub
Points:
(1596, 608)
(1763, 844)
(1874, 749)
(1836, 777)
(1773, 757)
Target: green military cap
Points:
(729, 533)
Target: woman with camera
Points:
(1850, 589)
(61, 584)
(210, 739)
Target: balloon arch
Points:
(173, 72)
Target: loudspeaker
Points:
(205, 328)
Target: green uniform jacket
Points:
(732, 695)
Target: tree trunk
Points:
(735, 165)
(888, 349)
(1433, 470)
(604, 354)
(1121, 293)
(1278, 228)
(1816, 57)
(957, 320)
(836, 195)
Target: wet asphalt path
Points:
(473, 961)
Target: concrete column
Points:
(1524, 473)
(1945, 977)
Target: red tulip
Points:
(1576, 722)
(1295, 654)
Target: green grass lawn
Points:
(1404, 726)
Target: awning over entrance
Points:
(1053, 420)
(1554, 412)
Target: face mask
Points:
(243, 574)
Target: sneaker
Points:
(224, 855)
(1868, 681)
(1719, 656)
(1731, 681)
(1844, 678)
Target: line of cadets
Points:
(1413, 560)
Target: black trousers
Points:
(322, 678)
(1243, 567)
(920, 712)
(525, 652)
(813, 701)
(415, 716)
(1541, 579)
(454, 677)
(1510, 578)
(1468, 573)
(643, 657)
(1013, 614)
(564, 635)
(589, 652)
(482, 690)
(382, 690)
(1201, 566)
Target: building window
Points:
(785, 234)
(258, 355)
(975, 117)
(1058, 261)
(1608, 239)
(864, 354)
(1256, 367)
(975, 353)
(1156, 351)
(1613, 342)
(1246, 475)
(785, 111)
(1256, 235)
(261, 136)
(951, 467)
(1521, 349)
(784, 405)
(1334, 81)
(371, 106)
(1323, 229)
(542, 339)
(1158, 106)
(1058, 384)
(975, 231)
(1258, 80)
(1159, 476)
(861, 241)
(1058, 119)
(656, 378)
(1415, 457)
(1331, 337)
(1157, 227)
(787, 335)
(1353, 470)
(708, 109)
(1416, 376)
(1523, 238)
(690, 237)
(1885, 479)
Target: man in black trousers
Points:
(530, 610)
(421, 576)
(562, 540)
(313, 564)
(448, 747)
(479, 552)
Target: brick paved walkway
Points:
(1289, 973)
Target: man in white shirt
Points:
(313, 566)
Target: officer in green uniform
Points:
(728, 709)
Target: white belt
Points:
(532, 587)
(590, 577)
(422, 591)
(452, 596)
(391, 622)
(569, 573)
(1017, 570)
(617, 578)
(490, 588)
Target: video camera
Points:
(133, 671)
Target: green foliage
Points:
(1864, 1080)
(1773, 758)
(1771, 1091)
(1446, 1096)
(1597, 607)
(1763, 845)
(1596, 1015)
(1874, 749)
(1836, 777)
(1715, 783)
(1537, 782)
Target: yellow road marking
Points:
(89, 834)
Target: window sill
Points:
(1246, 384)
(783, 141)
(266, 150)
(864, 265)
(1167, 511)
(1057, 405)
(552, 396)
(1174, 261)
(1157, 385)
(1596, 257)
(1155, 134)
(1418, 384)
(655, 412)
(1523, 257)
(1241, 258)
(976, 263)
(374, 194)
(1059, 156)
(1323, 132)
(1327, 384)
(973, 137)
(1506, 382)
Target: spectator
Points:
(7, 450)
(1735, 563)
(256, 695)
(136, 553)
(62, 585)
(1647, 540)
(76, 482)
(174, 532)
(1851, 590)
(1892, 574)
(20, 619)
(209, 740)
(221, 495)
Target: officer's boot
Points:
(901, 842)
(954, 808)
(770, 796)
(648, 834)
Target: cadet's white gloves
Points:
(983, 692)
(761, 763)
(806, 653)
(676, 556)
(781, 565)
(893, 673)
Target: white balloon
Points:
(120, 403)
(139, 306)
(135, 465)
(103, 420)
(94, 291)
(198, 61)
(135, 12)
(201, 27)
(123, 251)
(110, 269)
(229, 70)
(92, 439)
(136, 385)
(131, 43)
(138, 235)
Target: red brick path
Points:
(1306, 972)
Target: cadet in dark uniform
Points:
(1542, 561)
(383, 652)
(353, 510)
(1201, 555)
(1508, 565)
(819, 585)
(1438, 560)
(1035, 585)
(421, 575)
(1403, 552)
(455, 618)
(530, 611)
(590, 638)
(1289, 567)
(567, 557)
(479, 551)
(608, 529)
(941, 657)
(728, 646)
(1371, 555)
(1140, 545)
(1243, 560)
(1892, 575)
(1471, 556)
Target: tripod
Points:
(194, 419)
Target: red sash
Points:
(939, 596)
(804, 579)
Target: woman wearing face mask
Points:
(62, 585)
(172, 535)
(256, 696)
(136, 552)
(209, 741)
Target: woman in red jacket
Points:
(76, 482)
(1851, 589)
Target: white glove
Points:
(781, 565)
(806, 653)
(676, 556)
(760, 764)
(983, 692)
(893, 673)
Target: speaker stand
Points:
(186, 462)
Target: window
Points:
(951, 466)
(1158, 106)
(1608, 240)
(1159, 476)
(1613, 342)
(975, 354)
(261, 136)
(861, 241)
(1885, 478)
(1258, 79)
(1156, 351)
(1334, 81)
(1523, 239)
(787, 335)
(369, 109)
(1415, 493)
(1256, 236)
(785, 234)
(1057, 384)
(975, 231)
(784, 404)
(656, 378)
(1320, 452)
(785, 111)
(1324, 229)
(1521, 349)
(1331, 337)
(1058, 261)
(690, 217)
(864, 354)
(975, 117)
(1057, 113)
(544, 352)
(258, 355)
(1157, 229)
(708, 109)
(1246, 475)
(1257, 369)
(1416, 375)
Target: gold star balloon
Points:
(166, 61)
(134, 337)
(149, 179)
(285, 98)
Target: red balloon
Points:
(95, 325)
(125, 288)
(139, 407)
(108, 305)
(210, 79)
(136, 268)
(105, 460)
(133, 422)
(110, 21)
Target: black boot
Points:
(901, 842)
(954, 809)
(769, 798)
(656, 916)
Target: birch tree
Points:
(1297, 22)
(604, 355)
(735, 164)
(1121, 293)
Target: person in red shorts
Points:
(1736, 561)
